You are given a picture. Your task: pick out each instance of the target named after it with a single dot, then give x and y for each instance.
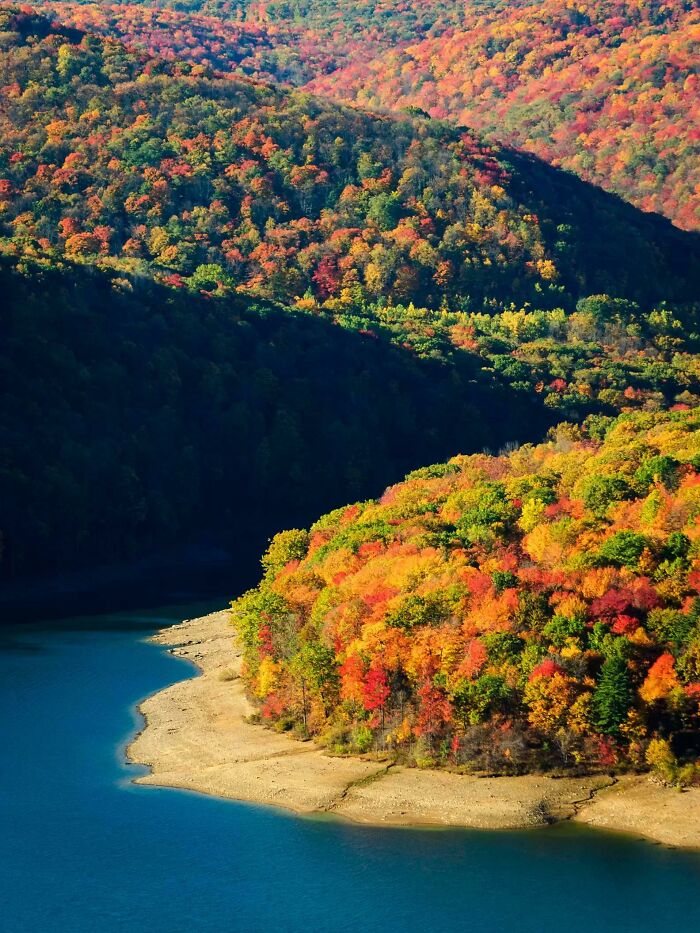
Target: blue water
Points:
(82, 849)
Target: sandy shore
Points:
(196, 737)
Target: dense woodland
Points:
(212, 286)
(133, 163)
(230, 304)
(207, 416)
(203, 414)
(536, 609)
(605, 88)
(606, 355)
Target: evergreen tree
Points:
(613, 696)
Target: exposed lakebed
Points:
(82, 848)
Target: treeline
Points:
(606, 356)
(607, 89)
(527, 611)
(129, 162)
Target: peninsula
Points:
(196, 737)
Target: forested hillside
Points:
(137, 164)
(605, 356)
(201, 415)
(268, 41)
(230, 303)
(533, 610)
(608, 89)
(605, 88)
(208, 415)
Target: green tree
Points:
(657, 469)
(613, 696)
(598, 492)
(475, 700)
(285, 546)
(209, 278)
(623, 549)
(385, 211)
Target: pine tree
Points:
(613, 696)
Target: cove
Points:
(84, 849)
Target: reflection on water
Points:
(82, 849)
(12, 641)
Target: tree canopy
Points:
(127, 161)
(605, 88)
(482, 614)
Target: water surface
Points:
(83, 849)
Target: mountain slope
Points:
(218, 418)
(206, 417)
(152, 210)
(607, 89)
(133, 163)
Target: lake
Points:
(84, 849)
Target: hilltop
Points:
(606, 88)
(134, 163)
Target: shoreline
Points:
(195, 737)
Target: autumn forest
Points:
(260, 259)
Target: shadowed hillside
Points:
(134, 416)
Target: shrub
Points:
(362, 739)
(662, 761)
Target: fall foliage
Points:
(131, 162)
(453, 632)
(228, 299)
(605, 88)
